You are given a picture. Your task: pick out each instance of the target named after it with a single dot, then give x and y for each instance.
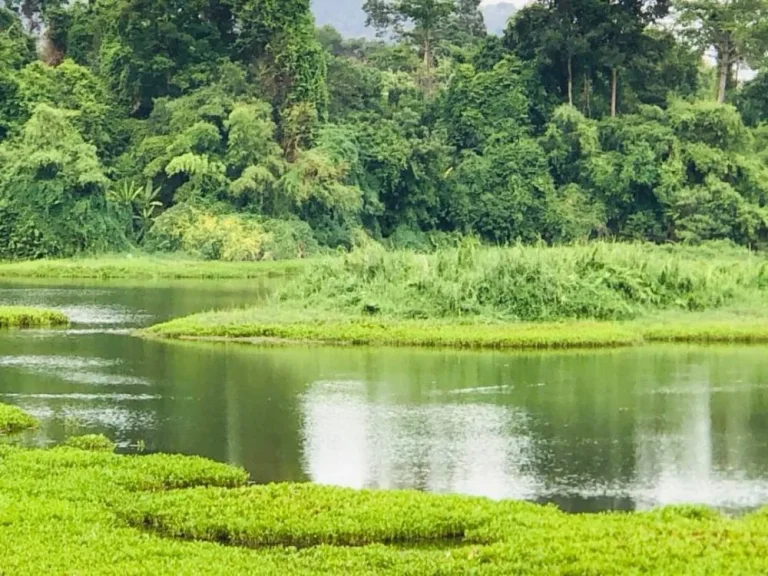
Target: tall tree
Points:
(467, 23)
(420, 22)
(736, 29)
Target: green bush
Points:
(289, 239)
(230, 237)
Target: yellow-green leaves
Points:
(21, 317)
(73, 511)
(303, 515)
(13, 419)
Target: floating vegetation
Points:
(73, 511)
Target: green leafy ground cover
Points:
(68, 510)
(21, 317)
(145, 268)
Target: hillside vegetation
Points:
(240, 131)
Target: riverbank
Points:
(23, 317)
(147, 268)
(69, 510)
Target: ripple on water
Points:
(105, 315)
(57, 362)
(82, 396)
(103, 379)
(77, 370)
(113, 418)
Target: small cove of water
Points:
(621, 429)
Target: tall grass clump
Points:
(601, 281)
(19, 317)
(14, 419)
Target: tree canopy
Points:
(236, 129)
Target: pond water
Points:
(589, 431)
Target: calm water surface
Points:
(627, 429)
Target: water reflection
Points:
(627, 429)
(360, 442)
(620, 429)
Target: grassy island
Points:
(520, 297)
(22, 317)
(81, 509)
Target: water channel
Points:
(621, 429)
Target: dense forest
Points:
(237, 130)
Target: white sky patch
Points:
(517, 3)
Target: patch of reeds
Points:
(600, 281)
(13, 419)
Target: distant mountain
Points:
(347, 16)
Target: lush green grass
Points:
(598, 281)
(147, 268)
(304, 515)
(268, 325)
(13, 420)
(71, 511)
(265, 325)
(20, 317)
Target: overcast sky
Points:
(517, 3)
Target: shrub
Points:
(597, 281)
(289, 239)
(230, 237)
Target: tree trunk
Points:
(588, 110)
(570, 79)
(725, 64)
(427, 64)
(614, 89)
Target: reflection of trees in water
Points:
(601, 430)
(241, 405)
(353, 440)
(703, 438)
